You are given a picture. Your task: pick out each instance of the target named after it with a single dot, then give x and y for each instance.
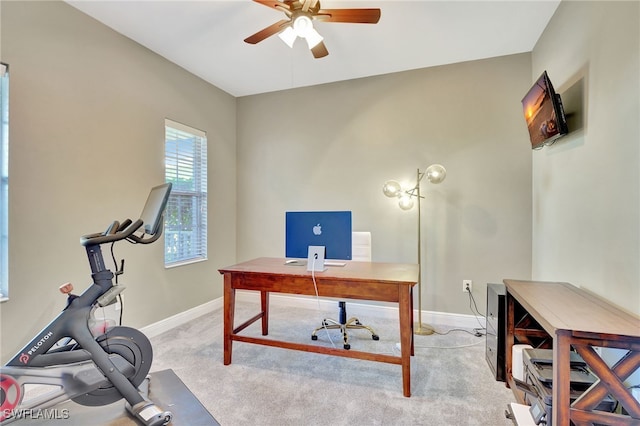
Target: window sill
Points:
(185, 262)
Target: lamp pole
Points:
(435, 173)
(420, 328)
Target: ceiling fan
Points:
(300, 14)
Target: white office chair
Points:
(361, 251)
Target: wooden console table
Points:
(388, 282)
(578, 320)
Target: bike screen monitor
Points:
(154, 207)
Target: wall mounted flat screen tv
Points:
(331, 229)
(544, 113)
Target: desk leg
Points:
(229, 308)
(509, 338)
(264, 305)
(406, 337)
(413, 338)
(561, 378)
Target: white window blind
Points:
(4, 181)
(186, 214)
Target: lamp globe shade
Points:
(391, 188)
(436, 173)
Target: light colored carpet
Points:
(451, 381)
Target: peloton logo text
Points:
(25, 357)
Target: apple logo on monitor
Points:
(317, 230)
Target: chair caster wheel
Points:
(375, 337)
(314, 337)
(347, 346)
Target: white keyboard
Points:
(334, 263)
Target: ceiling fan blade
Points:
(267, 32)
(274, 4)
(319, 50)
(357, 16)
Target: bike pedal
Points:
(150, 414)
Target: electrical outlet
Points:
(467, 286)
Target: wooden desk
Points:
(577, 319)
(387, 282)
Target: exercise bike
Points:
(90, 367)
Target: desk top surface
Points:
(562, 306)
(406, 273)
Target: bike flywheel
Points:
(135, 348)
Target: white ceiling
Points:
(206, 37)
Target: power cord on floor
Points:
(315, 286)
(452, 347)
(396, 347)
(477, 332)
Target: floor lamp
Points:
(435, 174)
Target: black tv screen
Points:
(543, 113)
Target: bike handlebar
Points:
(115, 232)
(124, 224)
(152, 213)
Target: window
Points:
(4, 181)
(185, 218)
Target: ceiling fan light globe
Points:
(289, 36)
(302, 25)
(313, 38)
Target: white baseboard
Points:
(442, 319)
(176, 320)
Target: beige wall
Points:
(332, 147)
(87, 110)
(586, 187)
(87, 113)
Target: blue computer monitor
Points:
(331, 229)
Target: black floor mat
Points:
(165, 389)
